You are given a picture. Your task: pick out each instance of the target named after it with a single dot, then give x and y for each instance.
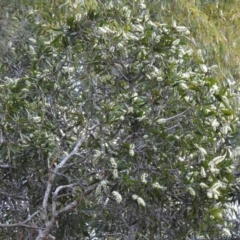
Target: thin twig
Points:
(22, 224)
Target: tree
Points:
(110, 128)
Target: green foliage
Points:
(157, 166)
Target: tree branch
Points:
(22, 224)
(52, 175)
(55, 171)
(55, 194)
(67, 208)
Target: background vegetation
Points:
(119, 119)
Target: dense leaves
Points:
(111, 128)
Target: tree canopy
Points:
(112, 126)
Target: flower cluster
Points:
(213, 192)
(114, 165)
(143, 178)
(101, 186)
(156, 185)
(117, 196)
(139, 200)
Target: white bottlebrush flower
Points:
(104, 30)
(97, 154)
(131, 149)
(186, 75)
(213, 191)
(202, 150)
(226, 232)
(143, 178)
(114, 142)
(101, 185)
(130, 110)
(174, 24)
(139, 200)
(216, 194)
(112, 49)
(215, 123)
(156, 185)
(113, 163)
(203, 185)
(216, 160)
(132, 37)
(104, 184)
(138, 28)
(214, 89)
(145, 137)
(213, 170)
(127, 12)
(36, 119)
(176, 42)
(135, 95)
(106, 202)
(218, 184)
(157, 40)
(181, 159)
(161, 120)
(182, 29)
(191, 191)
(229, 169)
(115, 173)
(204, 68)
(131, 152)
(78, 17)
(134, 197)
(67, 69)
(225, 129)
(209, 193)
(230, 153)
(117, 196)
(155, 70)
(142, 6)
(183, 86)
(32, 40)
(120, 45)
(203, 172)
